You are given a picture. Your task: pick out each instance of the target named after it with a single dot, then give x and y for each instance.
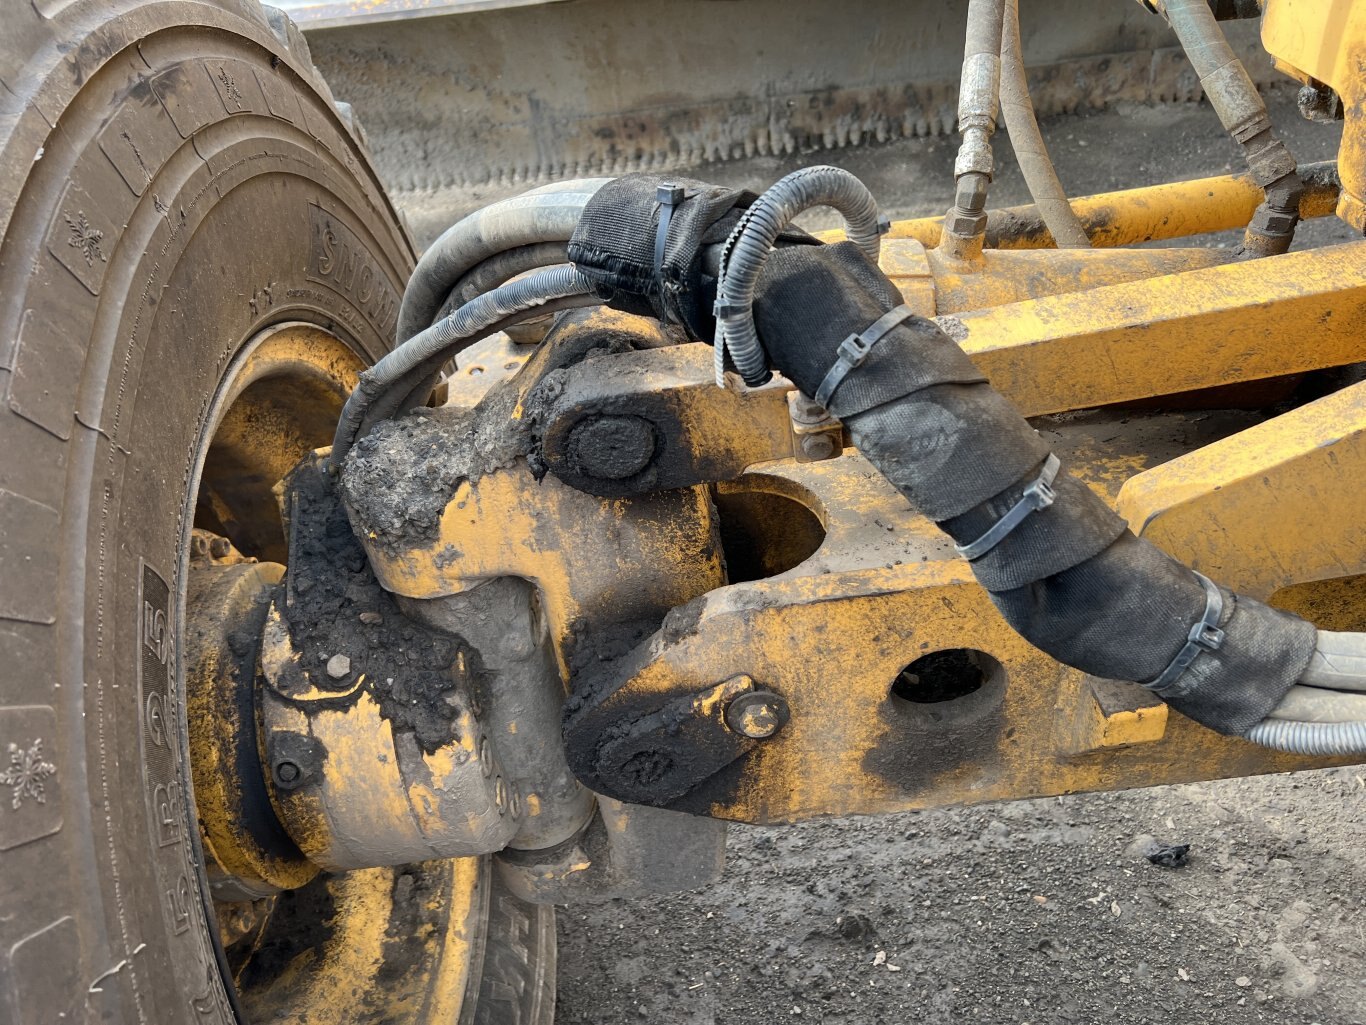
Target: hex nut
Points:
(287, 774)
(965, 225)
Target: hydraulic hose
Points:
(1241, 110)
(978, 98)
(1338, 663)
(415, 386)
(548, 214)
(497, 309)
(502, 268)
(1325, 712)
(1017, 111)
(1312, 704)
(752, 240)
(1061, 567)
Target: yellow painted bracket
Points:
(1274, 505)
(1179, 332)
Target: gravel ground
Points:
(1027, 913)
(1034, 912)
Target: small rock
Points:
(879, 959)
(371, 618)
(1167, 855)
(1242, 982)
(338, 667)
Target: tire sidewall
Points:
(198, 188)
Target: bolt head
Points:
(758, 714)
(287, 773)
(818, 446)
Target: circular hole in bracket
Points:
(764, 532)
(950, 685)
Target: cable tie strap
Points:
(855, 349)
(1039, 495)
(1205, 635)
(669, 197)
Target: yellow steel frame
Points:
(1056, 332)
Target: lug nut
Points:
(758, 714)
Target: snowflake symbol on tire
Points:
(26, 773)
(85, 238)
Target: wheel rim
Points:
(394, 944)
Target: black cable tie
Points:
(669, 197)
(1038, 495)
(855, 349)
(1205, 635)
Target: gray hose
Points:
(1240, 108)
(749, 244)
(1310, 738)
(415, 387)
(1325, 712)
(443, 338)
(549, 214)
(1338, 662)
(1017, 111)
(1315, 704)
(502, 268)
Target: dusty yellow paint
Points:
(574, 546)
(999, 277)
(1166, 211)
(1275, 505)
(1176, 332)
(1325, 40)
(352, 973)
(221, 599)
(832, 634)
(1104, 722)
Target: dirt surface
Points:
(1028, 913)
(1033, 912)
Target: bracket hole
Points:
(764, 533)
(950, 685)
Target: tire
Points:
(175, 180)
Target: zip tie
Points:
(855, 349)
(1038, 495)
(669, 197)
(1205, 635)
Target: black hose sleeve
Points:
(1070, 578)
(614, 247)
